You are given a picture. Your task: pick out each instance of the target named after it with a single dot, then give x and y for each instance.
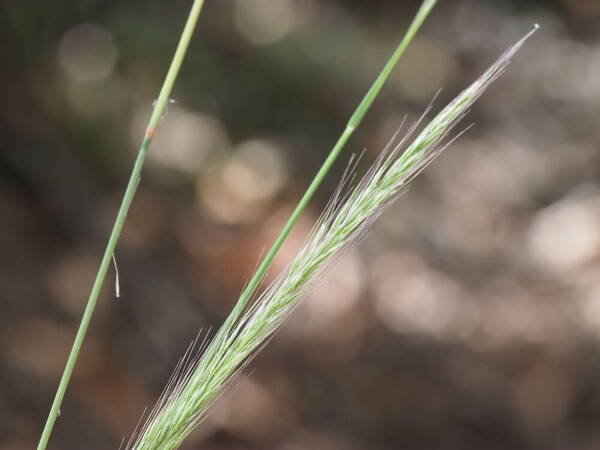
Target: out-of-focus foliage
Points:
(470, 318)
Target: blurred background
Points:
(468, 319)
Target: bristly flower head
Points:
(349, 215)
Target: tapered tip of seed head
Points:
(536, 26)
(508, 54)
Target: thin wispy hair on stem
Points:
(344, 222)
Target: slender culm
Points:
(113, 239)
(349, 215)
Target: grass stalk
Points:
(134, 179)
(348, 217)
(355, 120)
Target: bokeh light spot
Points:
(266, 21)
(565, 234)
(87, 53)
(253, 175)
(256, 171)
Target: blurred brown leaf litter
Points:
(470, 317)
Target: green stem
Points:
(352, 124)
(134, 179)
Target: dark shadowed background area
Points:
(468, 319)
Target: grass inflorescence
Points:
(349, 215)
